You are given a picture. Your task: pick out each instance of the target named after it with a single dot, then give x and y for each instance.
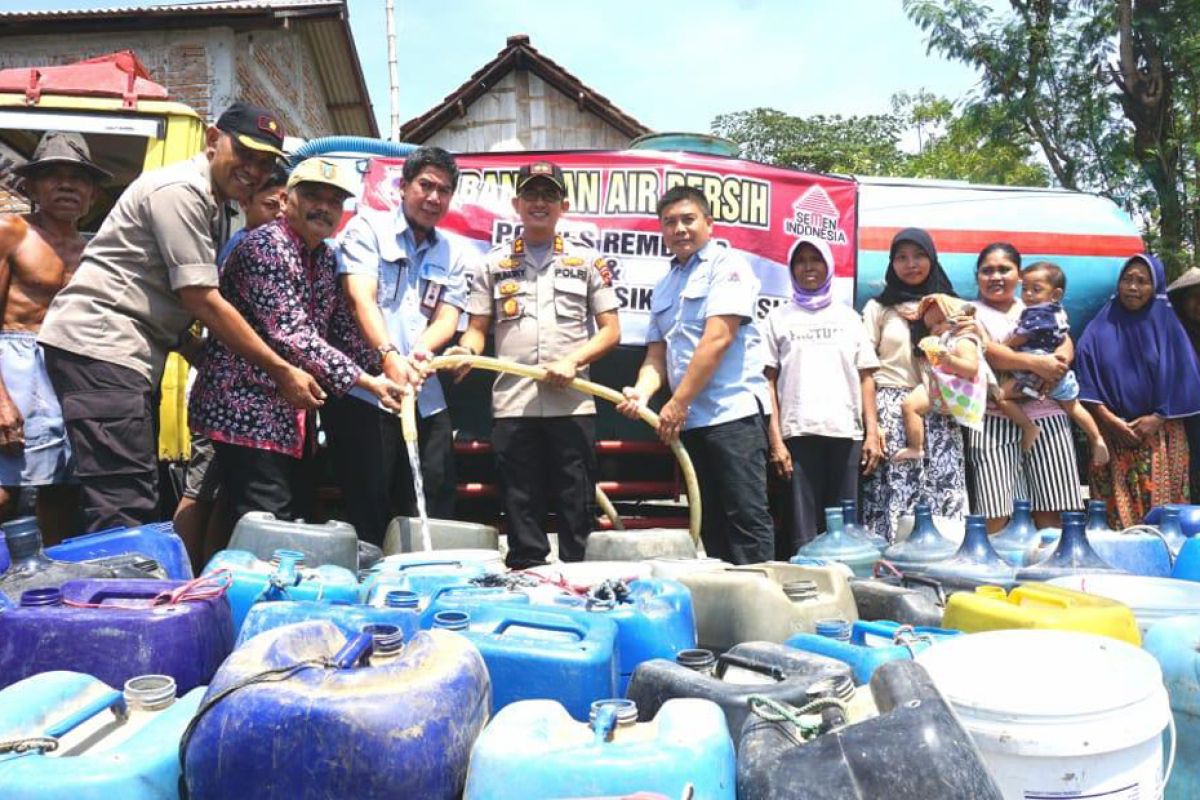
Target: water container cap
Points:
(386, 640)
(401, 598)
(833, 628)
(150, 692)
(452, 620)
(22, 537)
(839, 686)
(696, 659)
(46, 596)
(1170, 513)
(295, 556)
(627, 712)
(1041, 673)
(800, 590)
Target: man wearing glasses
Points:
(545, 295)
(148, 273)
(407, 286)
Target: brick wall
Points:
(178, 60)
(204, 68)
(277, 70)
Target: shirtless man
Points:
(39, 253)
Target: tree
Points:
(858, 145)
(1106, 88)
(975, 146)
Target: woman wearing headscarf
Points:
(819, 366)
(1184, 294)
(937, 479)
(1139, 378)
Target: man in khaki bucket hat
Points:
(39, 252)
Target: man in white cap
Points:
(283, 279)
(39, 252)
(148, 273)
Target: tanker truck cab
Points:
(131, 127)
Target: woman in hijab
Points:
(1139, 378)
(1184, 294)
(893, 327)
(819, 365)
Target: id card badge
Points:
(431, 297)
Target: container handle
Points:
(727, 660)
(353, 651)
(1162, 787)
(1158, 534)
(921, 580)
(1039, 595)
(552, 627)
(112, 699)
(433, 562)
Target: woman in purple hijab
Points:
(820, 363)
(1139, 378)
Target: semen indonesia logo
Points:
(814, 214)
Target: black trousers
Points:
(369, 456)
(111, 421)
(730, 460)
(544, 461)
(824, 472)
(263, 480)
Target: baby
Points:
(1042, 327)
(955, 378)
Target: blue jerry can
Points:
(115, 630)
(535, 749)
(654, 619)
(425, 576)
(872, 644)
(157, 540)
(68, 736)
(350, 618)
(541, 652)
(302, 712)
(284, 577)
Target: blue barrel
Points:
(535, 749)
(284, 577)
(654, 619)
(122, 635)
(541, 652)
(157, 541)
(872, 644)
(349, 618)
(301, 712)
(1175, 643)
(135, 756)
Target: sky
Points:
(673, 66)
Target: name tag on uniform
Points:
(432, 295)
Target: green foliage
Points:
(1107, 90)
(863, 145)
(978, 146)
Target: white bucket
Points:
(1150, 599)
(1058, 714)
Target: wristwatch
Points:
(384, 349)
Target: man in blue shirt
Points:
(703, 344)
(407, 285)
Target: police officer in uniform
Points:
(552, 303)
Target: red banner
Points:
(757, 210)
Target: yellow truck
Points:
(131, 126)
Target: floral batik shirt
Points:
(289, 295)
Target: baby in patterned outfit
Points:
(1041, 328)
(955, 378)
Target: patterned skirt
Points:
(940, 479)
(1139, 478)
